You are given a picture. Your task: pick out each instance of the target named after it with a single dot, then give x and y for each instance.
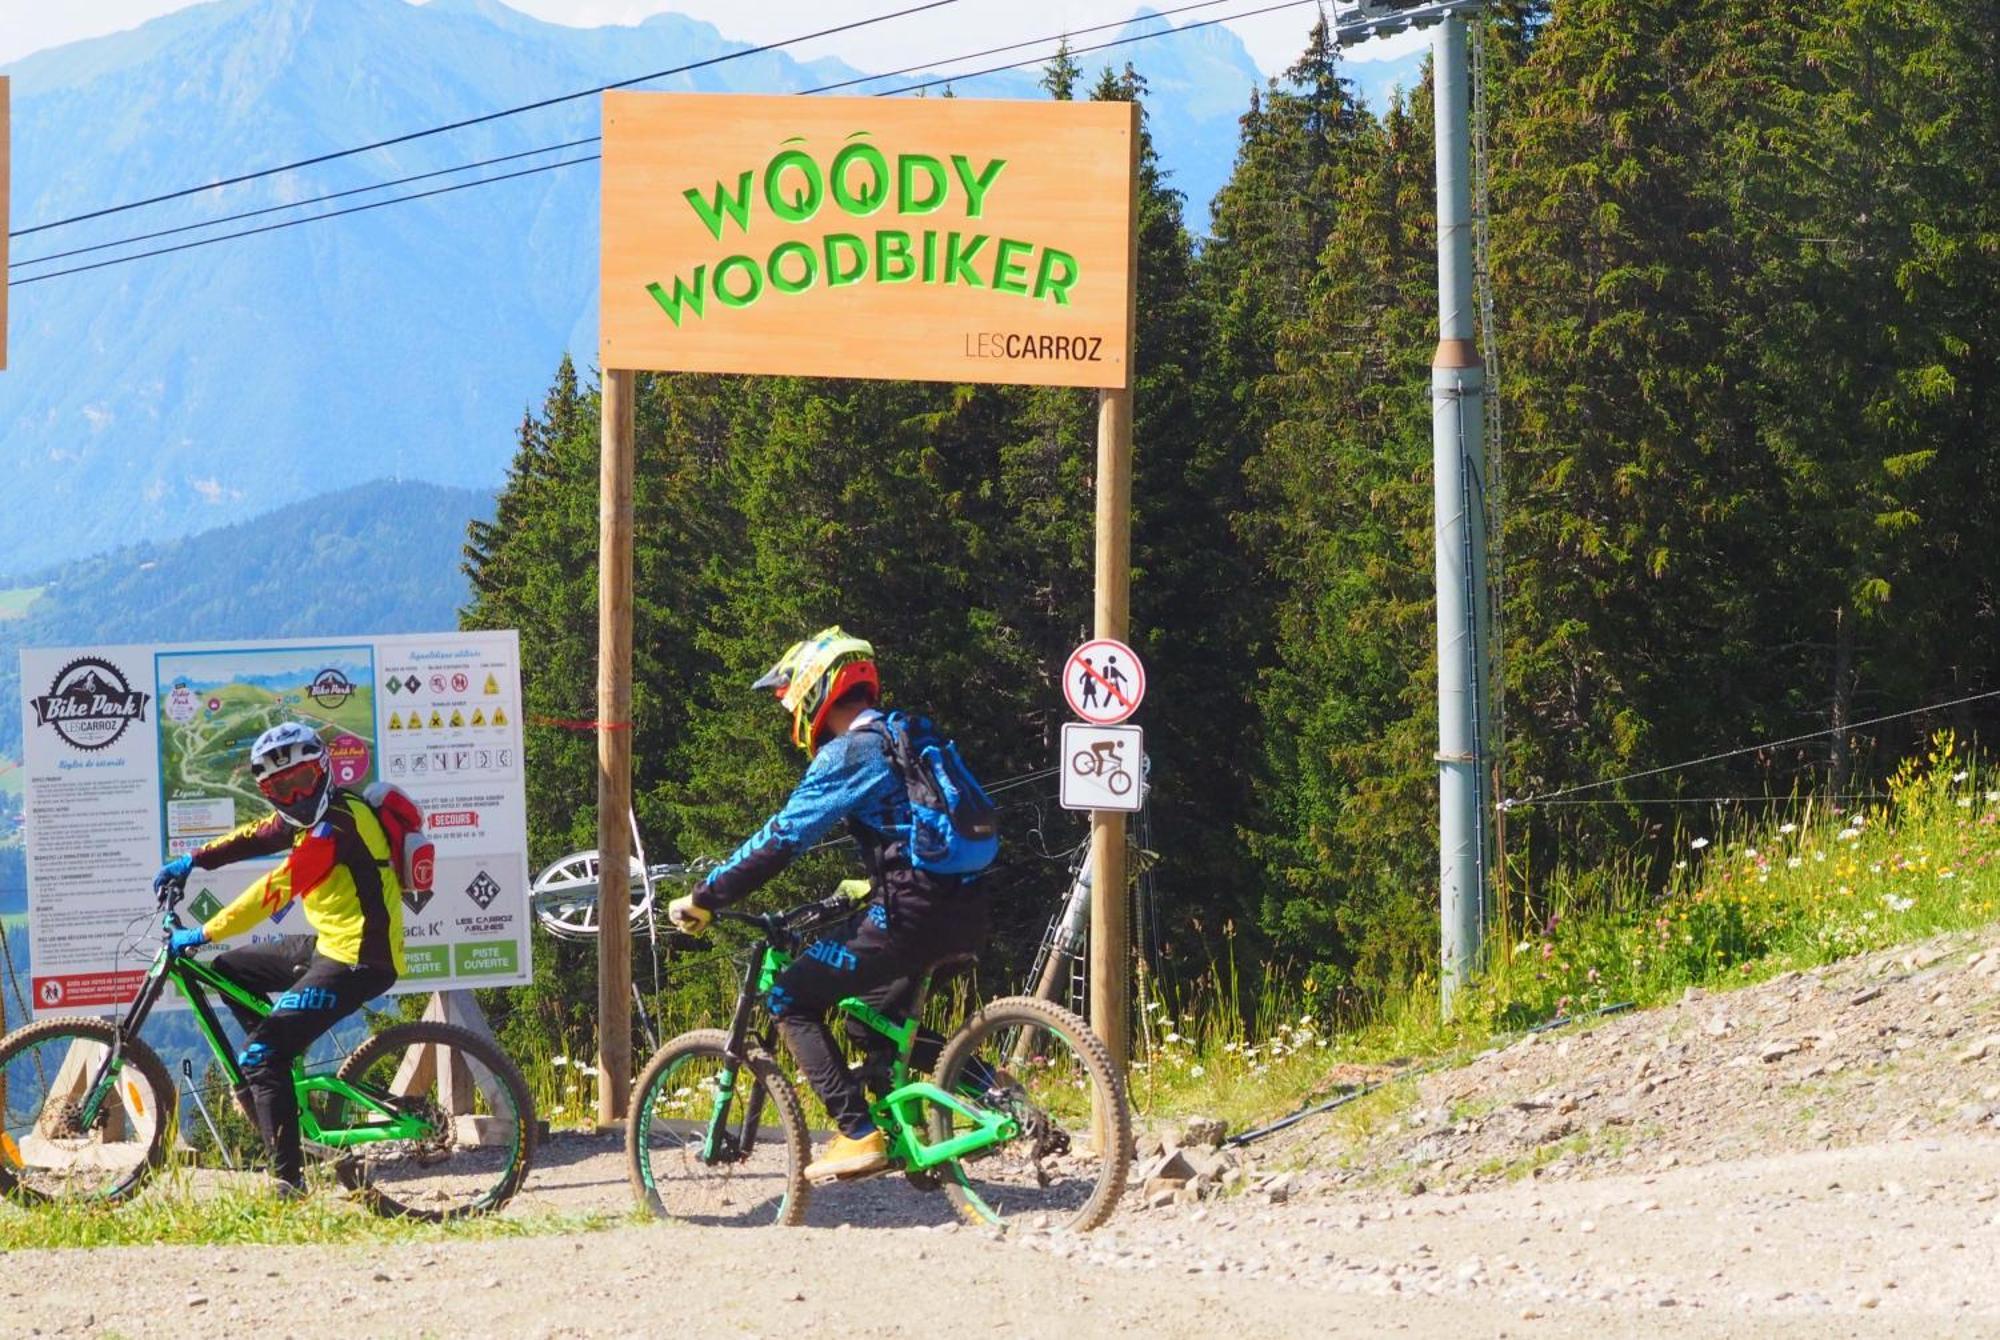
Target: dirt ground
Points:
(1816, 1156)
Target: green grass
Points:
(172, 1214)
(1739, 907)
(14, 600)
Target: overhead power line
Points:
(1546, 797)
(587, 158)
(592, 139)
(485, 117)
(312, 218)
(298, 204)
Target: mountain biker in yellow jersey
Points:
(911, 919)
(338, 866)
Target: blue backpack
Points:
(954, 829)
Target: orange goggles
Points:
(290, 785)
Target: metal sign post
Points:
(1458, 455)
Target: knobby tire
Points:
(138, 1056)
(779, 1103)
(419, 1032)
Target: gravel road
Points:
(1824, 1161)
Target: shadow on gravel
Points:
(580, 1172)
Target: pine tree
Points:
(1059, 76)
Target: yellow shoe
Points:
(850, 1157)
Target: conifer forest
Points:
(1743, 468)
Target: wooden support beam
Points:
(614, 748)
(1110, 972)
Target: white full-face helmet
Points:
(289, 763)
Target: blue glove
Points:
(186, 941)
(172, 873)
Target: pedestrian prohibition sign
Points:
(1104, 682)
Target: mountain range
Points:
(196, 388)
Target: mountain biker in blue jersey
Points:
(910, 919)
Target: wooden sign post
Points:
(957, 240)
(614, 747)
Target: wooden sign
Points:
(941, 239)
(5, 167)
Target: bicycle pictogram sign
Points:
(1102, 767)
(1104, 681)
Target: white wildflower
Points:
(1197, 1071)
(1793, 863)
(1698, 843)
(1788, 828)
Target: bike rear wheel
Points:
(46, 1153)
(756, 1173)
(480, 1123)
(1043, 1066)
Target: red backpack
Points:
(402, 819)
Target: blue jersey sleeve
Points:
(850, 778)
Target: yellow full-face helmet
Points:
(815, 674)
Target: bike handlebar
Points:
(793, 919)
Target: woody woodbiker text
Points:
(860, 181)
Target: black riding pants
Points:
(881, 958)
(314, 993)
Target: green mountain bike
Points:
(1024, 1118)
(423, 1120)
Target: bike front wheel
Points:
(477, 1119)
(1042, 1066)
(712, 1141)
(48, 1153)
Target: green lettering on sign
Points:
(806, 201)
(1050, 284)
(908, 166)
(1009, 270)
(808, 267)
(750, 293)
(958, 264)
(683, 295)
(846, 259)
(893, 262)
(736, 206)
(874, 194)
(976, 187)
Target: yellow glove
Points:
(687, 916)
(853, 890)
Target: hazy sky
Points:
(1274, 39)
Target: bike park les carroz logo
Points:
(90, 704)
(330, 688)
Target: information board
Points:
(136, 754)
